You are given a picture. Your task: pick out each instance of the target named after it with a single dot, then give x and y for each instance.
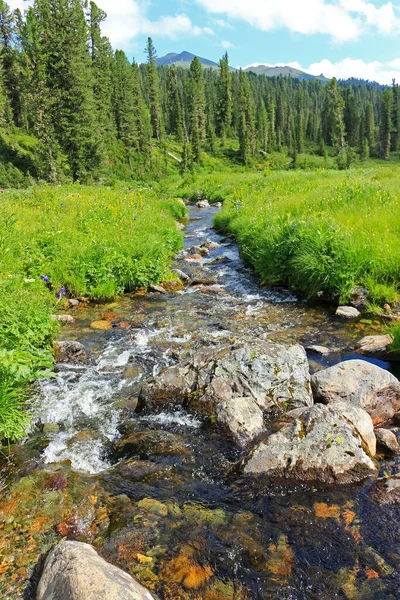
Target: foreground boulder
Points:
(362, 384)
(242, 418)
(276, 376)
(321, 445)
(74, 571)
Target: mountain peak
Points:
(184, 59)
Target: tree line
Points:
(90, 111)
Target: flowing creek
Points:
(170, 516)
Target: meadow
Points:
(70, 241)
(319, 232)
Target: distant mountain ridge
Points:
(286, 72)
(185, 58)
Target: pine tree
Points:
(386, 126)
(10, 58)
(102, 63)
(395, 118)
(153, 90)
(370, 126)
(70, 84)
(197, 105)
(246, 120)
(38, 99)
(175, 105)
(263, 127)
(300, 132)
(223, 116)
(335, 116)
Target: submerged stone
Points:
(374, 345)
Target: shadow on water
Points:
(173, 517)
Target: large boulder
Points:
(362, 384)
(276, 376)
(74, 571)
(242, 418)
(321, 445)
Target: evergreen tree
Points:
(299, 124)
(263, 128)
(175, 105)
(10, 58)
(153, 90)
(395, 118)
(246, 120)
(102, 63)
(223, 114)
(197, 105)
(386, 125)
(335, 116)
(370, 126)
(70, 84)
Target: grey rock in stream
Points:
(347, 312)
(361, 383)
(374, 345)
(242, 418)
(276, 376)
(74, 571)
(387, 441)
(387, 490)
(321, 445)
(69, 352)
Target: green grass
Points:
(95, 242)
(322, 231)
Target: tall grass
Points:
(318, 232)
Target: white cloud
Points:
(126, 19)
(223, 24)
(349, 67)
(343, 20)
(226, 44)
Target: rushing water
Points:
(172, 498)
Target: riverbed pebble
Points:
(347, 312)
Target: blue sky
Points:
(344, 38)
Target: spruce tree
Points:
(10, 58)
(246, 120)
(395, 118)
(370, 126)
(197, 106)
(386, 125)
(102, 63)
(153, 90)
(70, 84)
(263, 128)
(175, 105)
(223, 116)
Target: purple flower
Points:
(135, 218)
(62, 291)
(45, 278)
(58, 296)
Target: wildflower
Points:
(62, 291)
(135, 218)
(45, 278)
